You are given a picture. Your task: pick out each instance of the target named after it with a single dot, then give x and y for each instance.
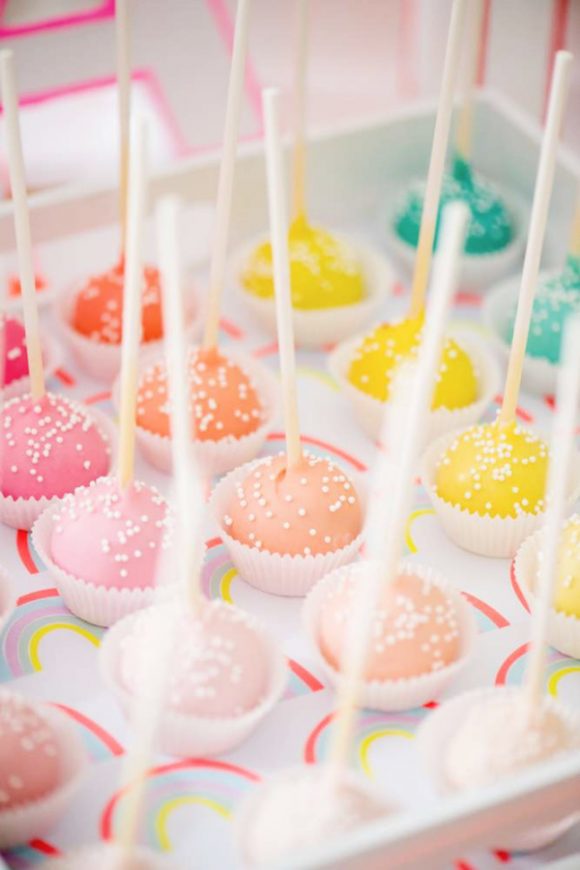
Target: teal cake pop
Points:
(491, 226)
(557, 298)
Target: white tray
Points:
(351, 173)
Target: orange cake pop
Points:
(98, 306)
(224, 401)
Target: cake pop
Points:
(105, 544)
(487, 482)
(495, 470)
(493, 240)
(567, 593)
(308, 509)
(337, 283)
(378, 357)
(41, 764)
(287, 519)
(15, 359)
(302, 808)
(48, 447)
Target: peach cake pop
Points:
(306, 510)
(29, 753)
(415, 629)
(98, 306)
(225, 402)
(112, 537)
(220, 665)
(494, 469)
(48, 447)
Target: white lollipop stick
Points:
(437, 162)
(300, 84)
(394, 491)
(189, 486)
(473, 44)
(139, 172)
(281, 262)
(574, 247)
(124, 106)
(536, 232)
(22, 224)
(226, 176)
(559, 470)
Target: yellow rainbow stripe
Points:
(318, 375)
(176, 803)
(414, 515)
(226, 585)
(366, 744)
(559, 675)
(38, 635)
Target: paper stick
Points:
(300, 85)
(281, 262)
(473, 44)
(123, 41)
(226, 175)
(392, 497)
(22, 224)
(437, 162)
(536, 232)
(138, 177)
(574, 247)
(189, 486)
(559, 471)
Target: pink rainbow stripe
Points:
(102, 10)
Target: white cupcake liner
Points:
(539, 375)
(35, 818)
(276, 573)
(21, 513)
(192, 735)
(98, 360)
(99, 605)
(402, 694)
(248, 815)
(8, 597)
(315, 328)
(52, 359)
(563, 630)
(215, 457)
(370, 412)
(477, 271)
(439, 729)
(498, 537)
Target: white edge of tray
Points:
(431, 836)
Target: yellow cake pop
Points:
(377, 358)
(494, 469)
(324, 271)
(567, 592)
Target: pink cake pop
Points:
(112, 537)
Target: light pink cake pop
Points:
(15, 359)
(310, 509)
(219, 662)
(48, 447)
(110, 537)
(29, 753)
(415, 628)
